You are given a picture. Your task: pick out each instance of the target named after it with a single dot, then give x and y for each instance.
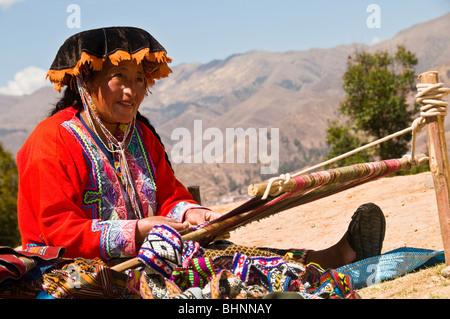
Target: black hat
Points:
(93, 47)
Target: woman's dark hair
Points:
(69, 98)
(72, 98)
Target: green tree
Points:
(377, 87)
(343, 139)
(9, 181)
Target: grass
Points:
(427, 283)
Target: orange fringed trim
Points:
(95, 63)
(159, 59)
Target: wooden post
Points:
(439, 166)
(195, 192)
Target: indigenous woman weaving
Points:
(95, 177)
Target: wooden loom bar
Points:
(439, 166)
(197, 235)
(255, 209)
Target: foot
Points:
(366, 231)
(363, 239)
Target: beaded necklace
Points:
(116, 143)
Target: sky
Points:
(31, 31)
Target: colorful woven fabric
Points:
(235, 272)
(15, 264)
(326, 284)
(20, 271)
(353, 174)
(317, 185)
(154, 286)
(89, 279)
(161, 250)
(200, 273)
(227, 250)
(92, 279)
(390, 265)
(190, 250)
(230, 271)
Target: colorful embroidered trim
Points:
(178, 211)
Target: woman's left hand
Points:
(198, 216)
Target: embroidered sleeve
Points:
(180, 209)
(117, 237)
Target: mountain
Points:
(428, 40)
(296, 92)
(20, 115)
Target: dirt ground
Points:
(409, 205)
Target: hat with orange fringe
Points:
(91, 48)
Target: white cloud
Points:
(5, 4)
(25, 81)
(377, 40)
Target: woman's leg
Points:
(363, 239)
(338, 255)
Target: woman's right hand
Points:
(145, 225)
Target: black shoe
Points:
(366, 231)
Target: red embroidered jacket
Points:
(70, 196)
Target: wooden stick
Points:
(128, 264)
(260, 188)
(195, 192)
(255, 209)
(197, 235)
(439, 166)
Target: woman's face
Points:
(117, 91)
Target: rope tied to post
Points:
(430, 99)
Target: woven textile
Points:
(19, 268)
(390, 265)
(161, 250)
(234, 271)
(225, 249)
(89, 279)
(15, 264)
(205, 278)
(225, 270)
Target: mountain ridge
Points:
(297, 92)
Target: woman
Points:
(94, 176)
(81, 185)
